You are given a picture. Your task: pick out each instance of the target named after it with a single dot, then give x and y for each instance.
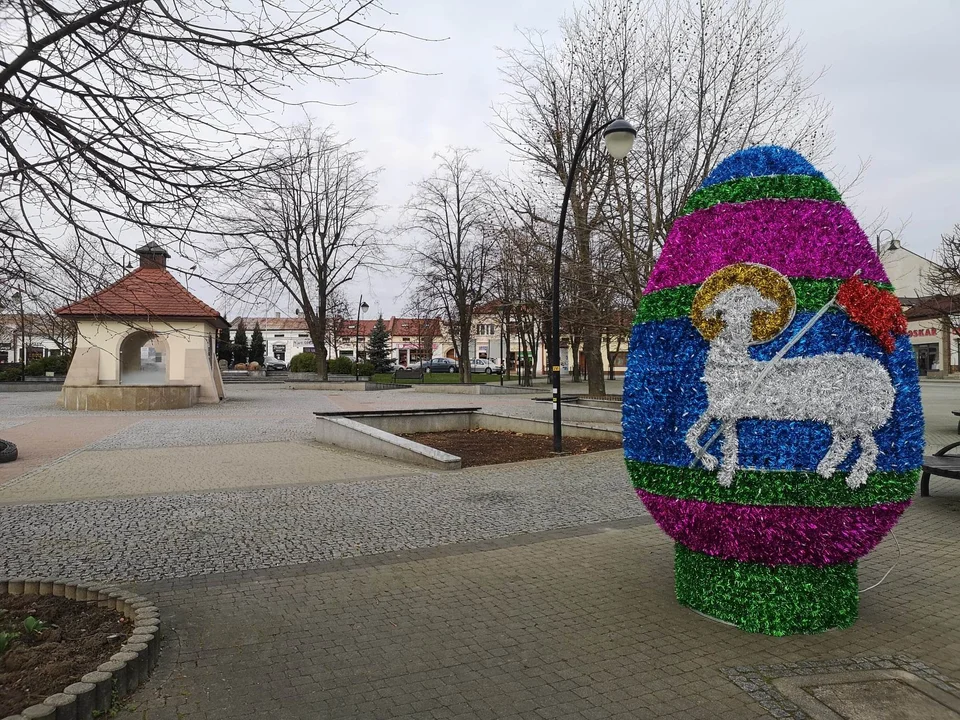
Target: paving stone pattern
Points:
(578, 623)
(176, 535)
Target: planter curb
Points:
(122, 674)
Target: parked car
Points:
(271, 363)
(482, 365)
(413, 366)
(440, 365)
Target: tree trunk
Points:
(594, 361)
(575, 347)
(464, 351)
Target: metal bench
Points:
(939, 464)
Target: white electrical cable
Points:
(899, 555)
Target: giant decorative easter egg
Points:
(771, 414)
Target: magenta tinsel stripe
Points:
(774, 535)
(800, 238)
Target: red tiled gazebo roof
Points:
(147, 292)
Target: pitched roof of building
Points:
(348, 328)
(146, 292)
(272, 324)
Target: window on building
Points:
(279, 335)
(303, 335)
(405, 339)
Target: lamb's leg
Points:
(693, 442)
(839, 449)
(866, 463)
(731, 451)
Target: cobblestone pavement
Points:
(192, 469)
(174, 535)
(578, 623)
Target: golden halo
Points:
(771, 284)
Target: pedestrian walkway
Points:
(577, 623)
(534, 590)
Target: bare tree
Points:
(424, 308)
(700, 78)
(124, 118)
(448, 210)
(304, 227)
(338, 310)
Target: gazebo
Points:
(143, 343)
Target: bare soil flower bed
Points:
(490, 447)
(74, 638)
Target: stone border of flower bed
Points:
(123, 673)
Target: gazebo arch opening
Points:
(143, 359)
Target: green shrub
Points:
(10, 373)
(340, 366)
(57, 365)
(366, 368)
(304, 362)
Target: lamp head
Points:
(619, 136)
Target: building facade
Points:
(931, 322)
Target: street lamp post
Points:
(362, 307)
(618, 136)
(23, 338)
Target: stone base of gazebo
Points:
(128, 397)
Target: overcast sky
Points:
(890, 75)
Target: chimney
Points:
(277, 316)
(152, 255)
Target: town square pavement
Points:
(300, 582)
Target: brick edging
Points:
(122, 673)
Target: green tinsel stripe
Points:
(675, 302)
(756, 188)
(772, 487)
(780, 600)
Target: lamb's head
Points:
(735, 307)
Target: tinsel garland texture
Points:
(781, 600)
(761, 160)
(676, 302)
(774, 490)
(754, 188)
(663, 397)
(774, 535)
(799, 238)
(778, 487)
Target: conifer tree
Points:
(258, 348)
(378, 348)
(224, 346)
(240, 349)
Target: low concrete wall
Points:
(128, 397)
(30, 386)
(377, 432)
(476, 389)
(506, 423)
(331, 377)
(605, 404)
(577, 412)
(418, 421)
(350, 434)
